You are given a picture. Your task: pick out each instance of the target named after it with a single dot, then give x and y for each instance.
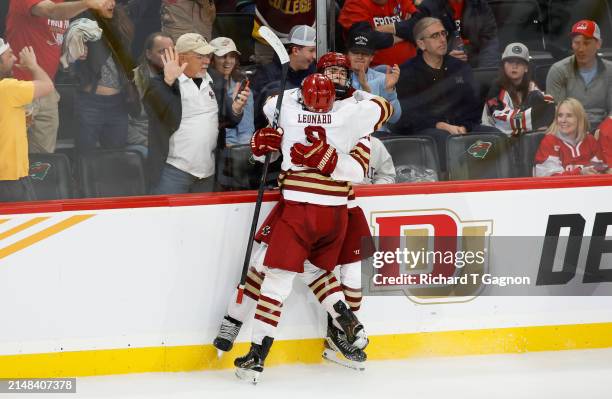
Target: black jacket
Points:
(164, 108)
(477, 26)
(426, 101)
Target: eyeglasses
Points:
(437, 35)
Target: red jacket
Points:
(394, 11)
(556, 157)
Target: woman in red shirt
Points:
(568, 148)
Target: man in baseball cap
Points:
(584, 75)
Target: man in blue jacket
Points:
(436, 90)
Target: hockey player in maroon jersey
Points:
(568, 148)
(319, 161)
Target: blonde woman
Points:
(568, 148)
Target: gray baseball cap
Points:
(516, 50)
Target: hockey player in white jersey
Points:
(325, 145)
(323, 283)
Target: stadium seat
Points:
(526, 148)
(236, 170)
(415, 151)
(478, 156)
(51, 176)
(539, 75)
(111, 173)
(562, 14)
(238, 27)
(519, 21)
(484, 78)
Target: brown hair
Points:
(519, 93)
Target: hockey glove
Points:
(266, 140)
(318, 155)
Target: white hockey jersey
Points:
(346, 127)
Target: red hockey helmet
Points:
(342, 82)
(333, 59)
(318, 93)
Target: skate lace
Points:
(344, 344)
(228, 330)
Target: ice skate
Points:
(339, 351)
(228, 332)
(355, 333)
(250, 366)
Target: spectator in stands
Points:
(41, 24)
(15, 184)
(145, 17)
(515, 104)
(188, 16)
(568, 148)
(436, 90)
(472, 29)
(584, 76)
(281, 17)
(390, 24)
(183, 119)
(302, 55)
(105, 95)
(226, 79)
(150, 66)
(360, 54)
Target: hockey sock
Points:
(327, 290)
(252, 287)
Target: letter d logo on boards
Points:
(428, 236)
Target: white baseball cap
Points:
(303, 35)
(3, 46)
(193, 42)
(223, 45)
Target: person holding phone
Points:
(228, 80)
(568, 148)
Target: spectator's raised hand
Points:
(240, 99)
(363, 79)
(391, 77)
(461, 55)
(172, 69)
(27, 58)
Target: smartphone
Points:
(243, 85)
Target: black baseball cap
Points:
(361, 42)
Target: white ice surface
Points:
(585, 374)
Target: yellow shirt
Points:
(14, 95)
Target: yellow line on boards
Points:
(41, 235)
(22, 227)
(383, 347)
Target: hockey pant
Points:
(266, 289)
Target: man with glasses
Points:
(436, 90)
(184, 125)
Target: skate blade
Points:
(251, 376)
(335, 357)
(219, 353)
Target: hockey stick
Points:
(281, 52)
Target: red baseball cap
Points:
(586, 28)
